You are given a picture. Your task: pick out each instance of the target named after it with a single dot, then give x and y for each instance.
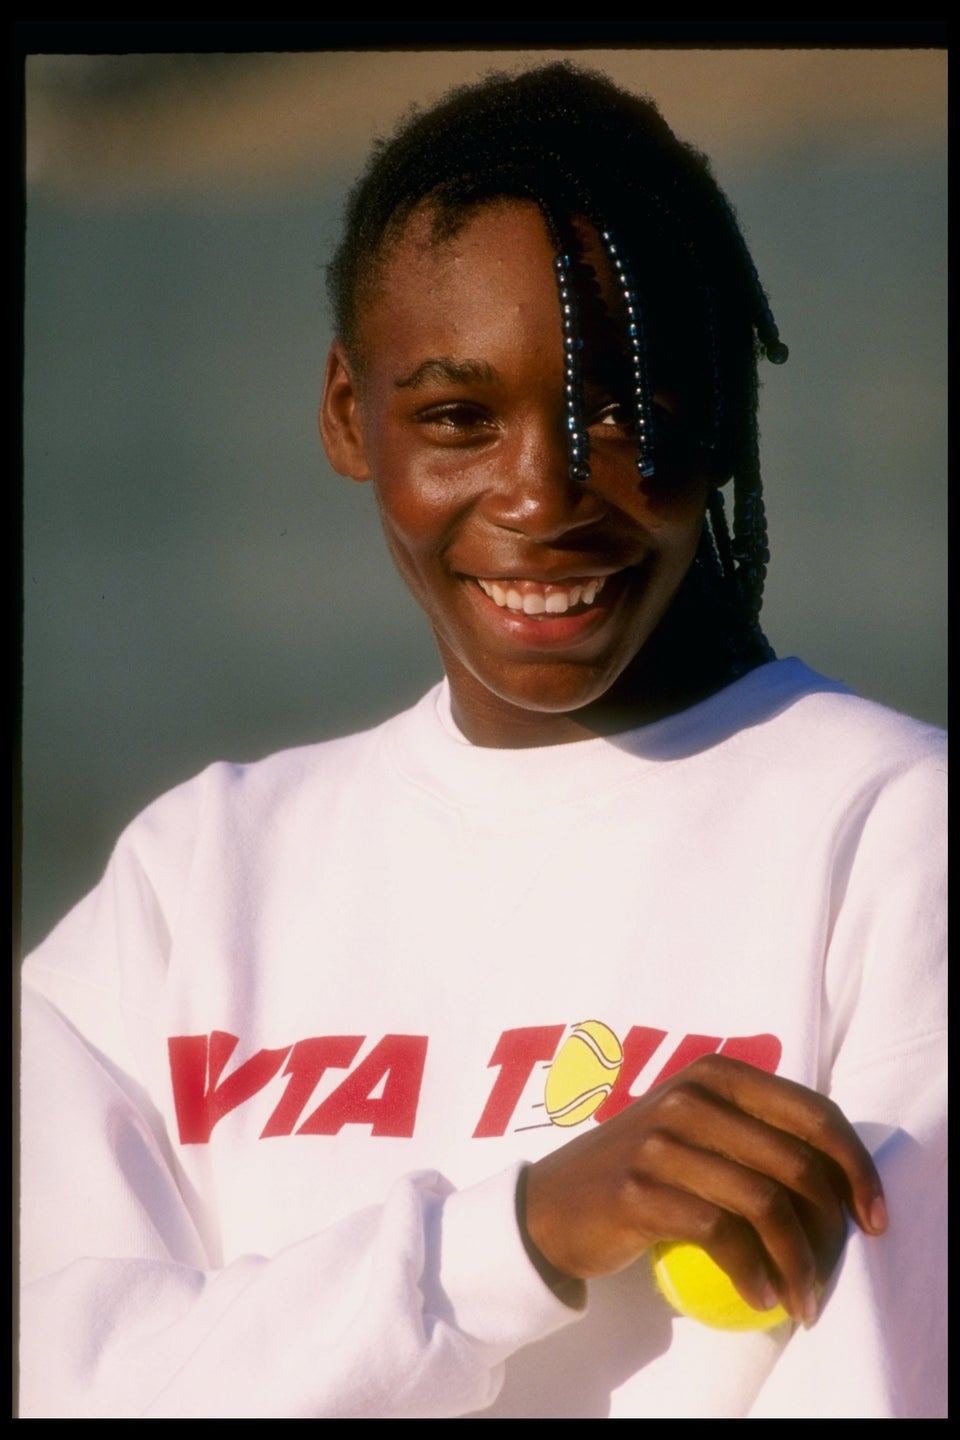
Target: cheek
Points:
(415, 524)
(423, 496)
(672, 512)
(412, 512)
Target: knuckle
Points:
(708, 1068)
(681, 1098)
(804, 1169)
(717, 1228)
(656, 1145)
(827, 1120)
(769, 1205)
(720, 1227)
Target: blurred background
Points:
(199, 585)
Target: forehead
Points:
(486, 290)
(498, 259)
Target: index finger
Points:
(813, 1118)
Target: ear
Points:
(340, 426)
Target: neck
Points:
(688, 659)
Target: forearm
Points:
(404, 1309)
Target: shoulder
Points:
(810, 720)
(233, 825)
(785, 734)
(872, 779)
(288, 780)
(787, 749)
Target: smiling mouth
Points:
(534, 597)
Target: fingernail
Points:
(810, 1308)
(877, 1215)
(770, 1298)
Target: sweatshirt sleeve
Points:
(878, 1349)
(126, 1309)
(392, 1312)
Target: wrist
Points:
(568, 1288)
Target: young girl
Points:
(385, 1066)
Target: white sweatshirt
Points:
(281, 1069)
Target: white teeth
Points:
(532, 597)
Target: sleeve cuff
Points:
(488, 1284)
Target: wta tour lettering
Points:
(589, 1073)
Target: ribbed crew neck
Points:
(430, 750)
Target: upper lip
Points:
(568, 576)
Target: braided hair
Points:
(692, 304)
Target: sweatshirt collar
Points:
(427, 747)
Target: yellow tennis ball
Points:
(695, 1285)
(583, 1074)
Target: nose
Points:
(532, 492)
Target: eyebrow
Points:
(456, 372)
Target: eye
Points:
(617, 415)
(614, 414)
(612, 417)
(456, 420)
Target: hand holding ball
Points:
(617, 1189)
(579, 1081)
(695, 1285)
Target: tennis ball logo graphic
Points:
(583, 1074)
(695, 1285)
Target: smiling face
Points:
(542, 591)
